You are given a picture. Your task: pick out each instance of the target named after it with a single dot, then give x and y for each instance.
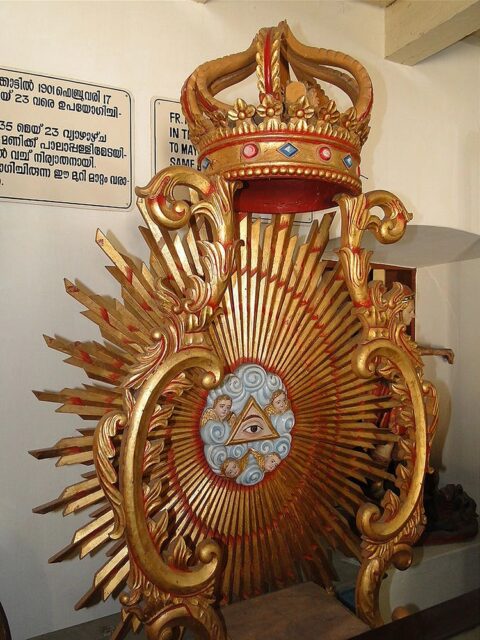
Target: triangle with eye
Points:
(252, 424)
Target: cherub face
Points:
(280, 403)
(409, 312)
(223, 408)
(232, 469)
(271, 462)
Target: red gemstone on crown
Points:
(250, 150)
(324, 153)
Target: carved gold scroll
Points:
(388, 535)
(167, 588)
(223, 294)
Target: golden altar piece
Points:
(242, 377)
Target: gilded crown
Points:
(294, 151)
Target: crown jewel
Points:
(294, 150)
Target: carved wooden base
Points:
(305, 611)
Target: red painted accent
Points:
(267, 61)
(157, 199)
(104, 314)
(145, 306)
(204, 102)
(250, 150)
(76, 401)
(129, 274)
(72, 288)
(164, 183)
(324, 153)
(160, 198)
(364, 303)
(363, 115)
(184, 101)
(85, 356)
(290, 195)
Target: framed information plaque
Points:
(64, 142)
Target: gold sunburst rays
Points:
(211, 507)
(283, 308)
(294, 317)
(127, 327)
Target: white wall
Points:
(448, 310)
(423, 146)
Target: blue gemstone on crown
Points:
(288, 149)
(348, 161)
(206, 162)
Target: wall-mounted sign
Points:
(64, 142)
(171, 141)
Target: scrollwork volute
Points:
(159, 206)
(385, 350)
(168, 586)
(103, 453)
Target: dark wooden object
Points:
(305, 611)
(444, 620)
(4, 628)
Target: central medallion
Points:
(246, 425)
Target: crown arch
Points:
(294, 151)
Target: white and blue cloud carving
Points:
(249, 380)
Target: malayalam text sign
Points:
(64, 142)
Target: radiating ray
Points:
(87, 538)
(285, 309)
(103, 579)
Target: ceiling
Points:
(417, 29)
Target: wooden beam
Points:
(474, 38)
(379, 3)
(416, 29)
